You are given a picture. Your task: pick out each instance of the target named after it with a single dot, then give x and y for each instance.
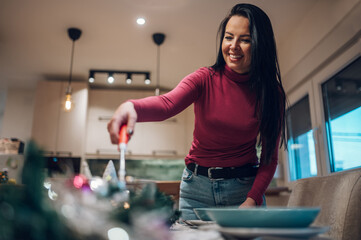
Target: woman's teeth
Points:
(235, 56)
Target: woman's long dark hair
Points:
(265, 77)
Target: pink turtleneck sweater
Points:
(226, 126)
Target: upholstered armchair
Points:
(339, 196)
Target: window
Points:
(324, 118)
(342, 107)
(301, 146)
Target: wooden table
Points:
(170, 188)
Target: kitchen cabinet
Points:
(169, 137)
(54, 129)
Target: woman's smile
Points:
(235, 57)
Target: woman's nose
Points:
(234, 45)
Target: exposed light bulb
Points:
(68, 102)
(110, 79)
(91, 79)
(140, 21)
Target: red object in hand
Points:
(123, 135)
(123, 140)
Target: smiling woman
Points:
(236, 100)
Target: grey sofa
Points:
(339, 196)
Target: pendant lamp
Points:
(158, 39)
(74, 34)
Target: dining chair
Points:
(339, 197)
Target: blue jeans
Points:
(197, 191)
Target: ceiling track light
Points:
(147, 79)
(91, 77)
(110, 78)
(111, 74)
(129, 78)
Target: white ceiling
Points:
(34, 44)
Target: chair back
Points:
(339, 197)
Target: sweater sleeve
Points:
(159, 108)
(264, 175)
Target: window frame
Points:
(313, 88)
(301, 92)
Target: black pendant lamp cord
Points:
(71, 67)
(158, 65)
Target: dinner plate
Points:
(263, 217)
(273, 232)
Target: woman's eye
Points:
(228, 38)
(246, 40)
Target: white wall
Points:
(166, 138)
(17, 109)
(18, 114)
(326, 31)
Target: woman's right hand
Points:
(125, 114)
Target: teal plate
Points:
(278, 233)
(262, 217)
(201, 213)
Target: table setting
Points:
(273, 223)
(115, 208)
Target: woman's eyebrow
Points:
(244, 35)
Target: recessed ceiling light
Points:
(140, 21)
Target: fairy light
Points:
(78, 181)
(126, 205)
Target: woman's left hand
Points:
(248, 203)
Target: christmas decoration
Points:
(78, 208)
(4, 176)
(24, 213)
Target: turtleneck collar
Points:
(234, 76)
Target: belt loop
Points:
(196, 169)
